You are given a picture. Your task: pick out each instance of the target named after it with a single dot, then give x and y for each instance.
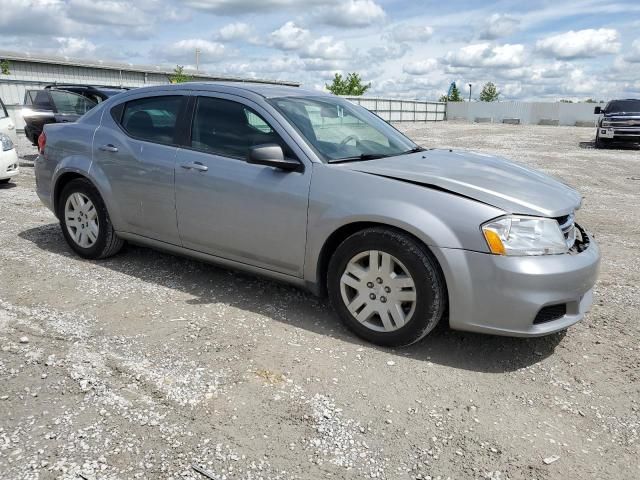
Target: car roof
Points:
(261, 89)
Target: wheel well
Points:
(340, 235)
(64, 179)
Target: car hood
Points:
(485, 178)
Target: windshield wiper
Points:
(414, 150)
(358, 158)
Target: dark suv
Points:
(620, 122)
(60, 104)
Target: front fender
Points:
(339, 197)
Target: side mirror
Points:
(597, 110)
(271, 155)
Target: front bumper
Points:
(504, 295)
(9, 165)
(626, 134)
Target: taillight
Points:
(42, 142)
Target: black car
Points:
(60, 104)
(619, 123)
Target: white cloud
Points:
(238, 7)
(634, 55)
(408, 32)
(421, 67)
(185, 51)
(74, 47)
(499, 25)
(352, 13)
(289, 37)
(326, 48)
(487, 55)
(234, 31)
(580, 44)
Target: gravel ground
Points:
(146, 364)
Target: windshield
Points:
(340, 131)
(621, 106)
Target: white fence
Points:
(396, 110)
(532, 113)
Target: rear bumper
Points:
(9, 165)
(503, 295)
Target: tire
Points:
(600, 143)
(103, 244)
(410, 262)
(4, 181)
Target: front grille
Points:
(550, 313)
(568, 227)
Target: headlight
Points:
(6, 142)
(519, 235)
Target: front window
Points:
(340, 131)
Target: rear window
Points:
(619, 106)
(38, 100)
(152, 119)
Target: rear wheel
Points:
(386, 287)
(85, 221)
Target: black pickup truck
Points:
(619, 123)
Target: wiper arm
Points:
(413, 150)
(358, 158)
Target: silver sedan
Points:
(310, 189)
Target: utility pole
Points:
(197, 59)
(469, 93)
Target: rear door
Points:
(135, 148)
(251, 214)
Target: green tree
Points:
(179, 76)
(4, 67)
(351, 85)
(454, 96)
(489, 93)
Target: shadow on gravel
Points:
(209, 284)
(7, 186)
(613, 146)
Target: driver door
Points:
(226, 207)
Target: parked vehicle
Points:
(8, 156)
(313, 190)
(6, 123)
(619, 123)
(61, 104)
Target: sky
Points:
(532, 50)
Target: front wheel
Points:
(85, 221)
(386, 286)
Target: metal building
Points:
(27, 71)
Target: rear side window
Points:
(152, 119)
(230, 129)
(71, 103)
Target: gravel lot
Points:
(145, 364)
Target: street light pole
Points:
(197, 59)
(469, 92)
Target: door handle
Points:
(195, 166)
(109, 148)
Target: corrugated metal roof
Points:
(128, 67)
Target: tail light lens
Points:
(42, 141)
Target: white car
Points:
(8, 154)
